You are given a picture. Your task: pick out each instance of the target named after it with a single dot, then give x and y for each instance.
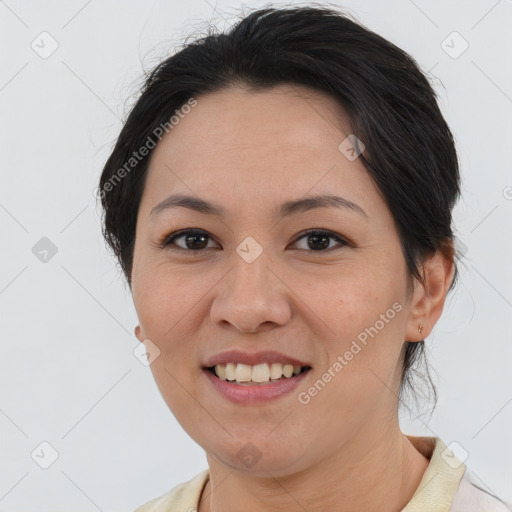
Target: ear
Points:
(428, 299)
(138, 333)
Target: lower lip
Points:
(259, 392)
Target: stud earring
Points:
(420, 328)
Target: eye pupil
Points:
(193, 236)
(324, 238)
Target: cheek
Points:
(163, 298)
(167, 305)
(350, 297)
(362, 312)
(176, 382)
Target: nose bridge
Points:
(250, 294)
(249, 275)
(250, 283)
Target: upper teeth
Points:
(257, 373)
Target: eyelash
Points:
(169, 239)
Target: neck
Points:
(359, 475)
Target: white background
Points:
(68, 374)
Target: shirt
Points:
(446, 486)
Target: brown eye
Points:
(319, 240)
(192, 240)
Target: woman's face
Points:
(253, 281)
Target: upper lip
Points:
(266, 356)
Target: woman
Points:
(280, 202)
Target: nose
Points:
(251, 297)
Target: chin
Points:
(261, 458)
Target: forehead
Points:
(237, 118)
(280, 142)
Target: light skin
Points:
(249, 152)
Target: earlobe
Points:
(429, 297)
(138, 334)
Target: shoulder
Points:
(472, 497)
(184, 497)
(447, 484)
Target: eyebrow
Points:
(288, 208)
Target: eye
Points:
(318, 239)
(195, 240)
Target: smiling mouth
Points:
(260, 374)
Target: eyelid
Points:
(342, 242)
(167, 240)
